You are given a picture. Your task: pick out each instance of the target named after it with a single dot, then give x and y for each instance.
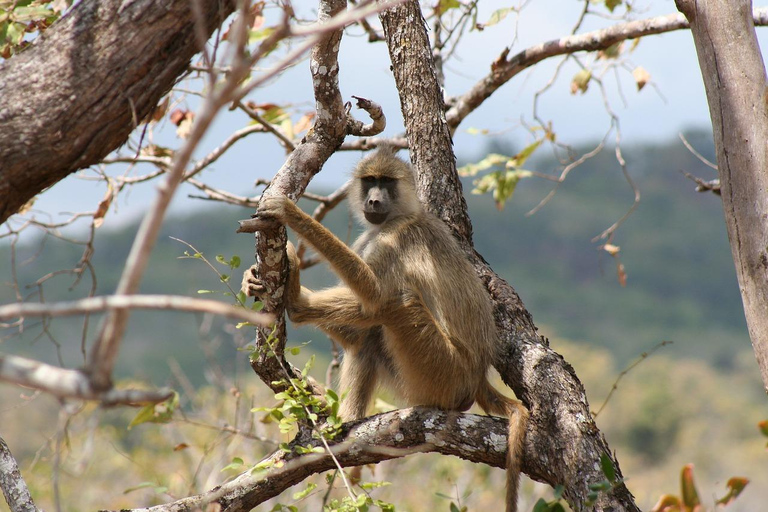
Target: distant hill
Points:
(681, 283)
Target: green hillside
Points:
(681, 284)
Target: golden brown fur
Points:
(411, 312)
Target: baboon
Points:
(411, 313)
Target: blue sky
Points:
(675, 101)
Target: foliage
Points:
(22, 19)
(689, 500)
(501, 182)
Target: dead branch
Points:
(355, 127)
(704, 185)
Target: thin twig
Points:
(625, 371)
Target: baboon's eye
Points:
(387, 179)
(368, 179)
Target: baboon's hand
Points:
(252, 286)
(275, 207)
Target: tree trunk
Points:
(76, 94)
(734, 77)
(563, 444)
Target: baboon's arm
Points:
(350, 267)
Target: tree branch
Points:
(106, 64)
(66, 383)
(503, 69)
(368, 441)
(292, 180)
(106, 303)
(12, 483)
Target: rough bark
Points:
(737, 93)
(77, 93)
(291, 180)
(11, 482)
(563, 444)
(374, 439)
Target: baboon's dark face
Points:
(379, 194)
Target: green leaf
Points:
(608, 468)
(668, 503)
(259, 35)
(159, 489)
(203, 292)
(541, 506)
(605, 485)
(688, 488)
(374, 485)
(156, 413)
(763, 426)
(520, 158)
(303, 494)
(612, 52)
(14, 33)
(498, 15)
(32, 13)
(262, 466)
(612, 4)
(580, 81)
(454, 508)
(362, 499)
(236, 464)
(445, 5)
(477, 131)
(735, 486)
(492, 160)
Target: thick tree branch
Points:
(481, 439)
(563, 444)
(734, 77)
(106, 65)
(292, 180)
(504, 69)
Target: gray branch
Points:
(504, 69)
(481, 439)
(12, 483)
(66, 383)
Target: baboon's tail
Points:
(493, 402)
